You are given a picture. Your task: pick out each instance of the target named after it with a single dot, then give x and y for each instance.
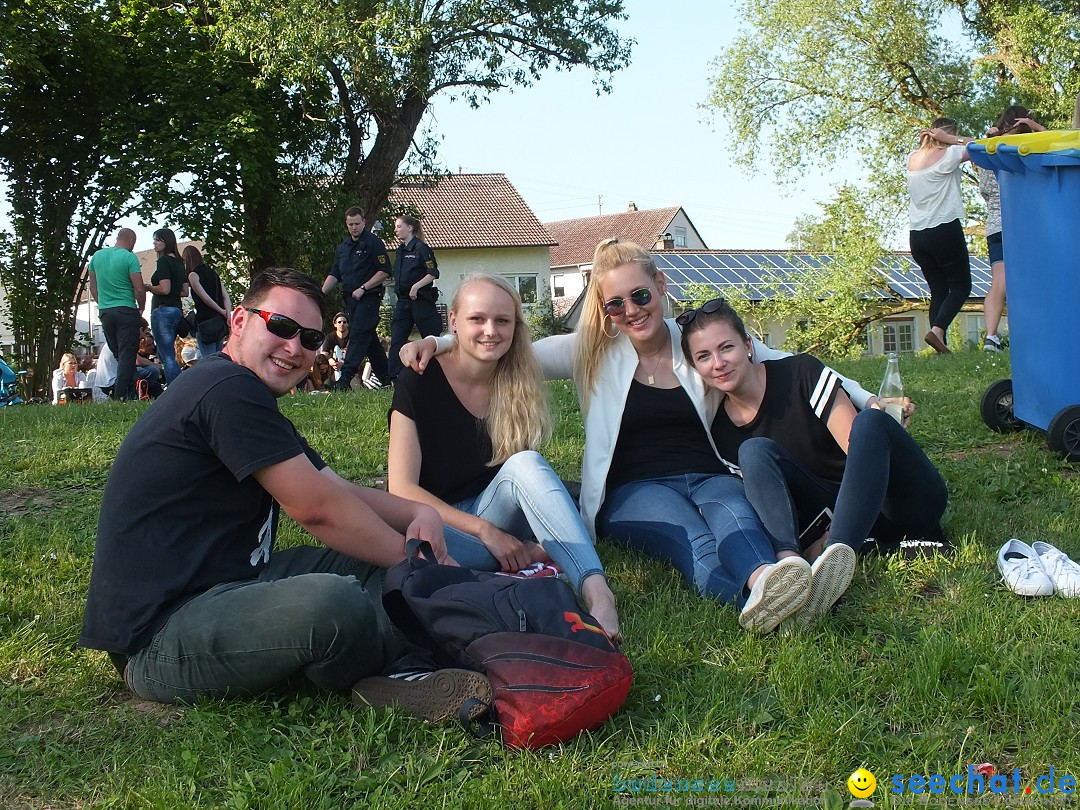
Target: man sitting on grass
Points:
(186, 595)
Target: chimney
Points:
(632, 206)
(664, 241)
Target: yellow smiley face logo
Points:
(861, 783)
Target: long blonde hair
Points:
(593, 337)
(519, 417)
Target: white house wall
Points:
(456, 264)
(693, 241)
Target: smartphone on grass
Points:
(818, 526)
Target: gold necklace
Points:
(651, 377)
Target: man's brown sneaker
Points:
(432, 696)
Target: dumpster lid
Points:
(1065, 141)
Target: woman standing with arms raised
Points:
(936, 213)
(169, 285)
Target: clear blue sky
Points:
(564, 147)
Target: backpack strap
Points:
(415, 548)
(478, 727)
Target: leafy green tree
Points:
(835, 290)
(812, 80)
(827, 304)
(384, 62)
(79, 133)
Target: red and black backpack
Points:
(553, 670)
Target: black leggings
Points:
(942, 255)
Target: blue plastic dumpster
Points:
(1039, 177)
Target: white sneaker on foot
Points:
(831, 575)
(779, 591)
(1022, 570)
(1063, 572)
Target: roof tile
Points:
(472, 211)
(578, 238)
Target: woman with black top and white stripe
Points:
(802, 447)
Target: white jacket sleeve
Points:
(859, 395)
(556, 356)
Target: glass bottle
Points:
(891, 393)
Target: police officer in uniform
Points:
(361, 264)
(414, 273)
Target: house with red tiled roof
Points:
(479, 223)
(653, 228)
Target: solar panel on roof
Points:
(767, 273)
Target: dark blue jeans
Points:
(312, 611)
(364, 338)
(887, 475)
(700, 523)
(422, 314)
(163, 324)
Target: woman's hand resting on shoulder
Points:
(417, 353)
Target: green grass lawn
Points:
(924, 668)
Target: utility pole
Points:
(600, 203)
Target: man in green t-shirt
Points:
(116, 283)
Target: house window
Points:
(558, 285)
(976, 326)
(867, 341)
(526, 287)
(898, 335)
(679, 235)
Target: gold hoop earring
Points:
(607, 320)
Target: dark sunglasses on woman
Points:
(617, 306)
(707, 308)
(284, 327)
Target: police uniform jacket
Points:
(414, 261)
(358, 260)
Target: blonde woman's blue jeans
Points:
(528, 500)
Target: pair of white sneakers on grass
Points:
(1038, 570)
(793, 590)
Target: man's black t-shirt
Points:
(182, 511)
(799, 396)
(456, 445)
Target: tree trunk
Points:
(376, 175)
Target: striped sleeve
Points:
(824, 391)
